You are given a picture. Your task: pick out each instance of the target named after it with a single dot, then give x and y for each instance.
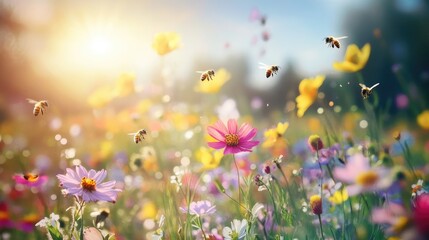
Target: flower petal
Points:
(216, 145)
(215, 133)
(232, 126)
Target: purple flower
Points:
(87, 185)
(200, 208)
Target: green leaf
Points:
(55, 233)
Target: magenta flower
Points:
(87, 185)
(232, 138)
(362, 177)
(31, 180)
(200, 208)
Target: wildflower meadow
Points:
(212, 120)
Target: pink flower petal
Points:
(216, 145)
(232, 126)
(220, 126)
(231, 150)
(353, 190)
(249, 144)
(216, 134)
(244, 130)
(249, 136)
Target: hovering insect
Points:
(269, 70)
(334, 41)
(139, 135)
(209, 74)
(366, 91)
(39, 106)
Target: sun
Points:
(99, 44)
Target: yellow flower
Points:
(147, 211)
(166, 42)
(339, 197)
(273, 135)
(355, 58)
(210, 159)
(125, 85)
(100, 97)
(308, 89)
(213, 86)
(423, 119)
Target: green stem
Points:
(320, 224)
(238, 177)
(407, 155)
(235, 201)
(201, 227)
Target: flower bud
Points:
(316, 204)
(315, 143)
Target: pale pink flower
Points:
(362, 177)
(232, 138)
(88, 185)
(200, 208)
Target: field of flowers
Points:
(218, 168)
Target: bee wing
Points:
(131, 133)
(338, 38)
(31, 101)
(262, 65)
(375, 85)
(200, 71)
(362, 85)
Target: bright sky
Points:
(95, 39)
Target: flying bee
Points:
(269, 70)
(209, 74)
(334, 41)
(39, 106)
(139, 135)
(366, 91)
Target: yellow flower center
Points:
(353, 59)
(231, 140)
(367, 179)
(31, 177)
(88, 184)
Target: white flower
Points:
(43, 223)
(266, 179)
(51, 221)
(417, 189)
(228, 110)
(256, 208)
(179, 172)
(237, 231)
(158, 234)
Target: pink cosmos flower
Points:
(392, 214)
(232, 138)
(87, 185)
(361, 176)
(30, 180)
